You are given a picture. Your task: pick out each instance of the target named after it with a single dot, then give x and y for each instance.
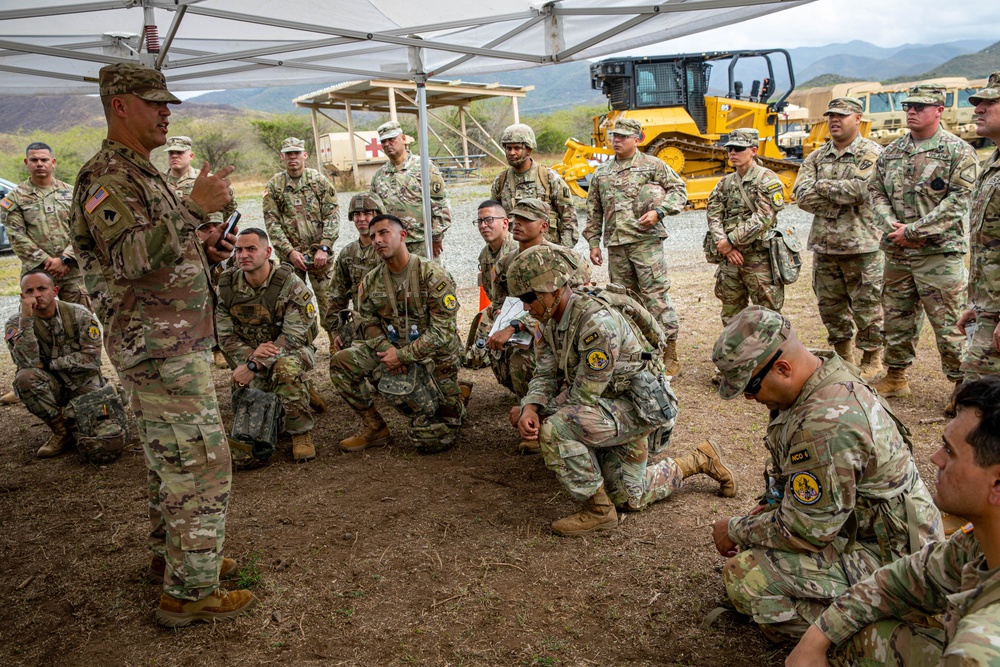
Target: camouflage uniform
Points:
(67, 345)
(540, 182)
(399, 189)
(185, 184)
(844, 494)
(301, 214)
(422, 296)
(635, 254)
(924, 185)
(245, 320)
(37, 222)
(749, 231)
(948, 577)
(158, 334)
(984, 280)
(847, 261)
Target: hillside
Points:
(977, 65)
(905, 62)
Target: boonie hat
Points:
(293, 145)
(844, 106)
(627, 127)
(144, 82)
(743, 137)
(748, 341)
(926, 93)
(531, 208)
(179, 144)
(990, 92)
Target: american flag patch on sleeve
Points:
(6, 203)
(96, 200)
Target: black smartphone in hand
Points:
(230, 227)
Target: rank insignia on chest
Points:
(597, 360)
(449, 302)
(806, 488)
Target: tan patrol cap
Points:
(990, 92)
(178, 144)
(531, 208)
(844, 106)
(389, 130)
(144, 82)
(926, 93)
(743, 137)
(293, 145)
(628, 127)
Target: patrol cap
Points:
(537, 269)
(366, 201)
(531, 208)
(144, 82)
(178, 144)
(293, 145)
(926, 93)
(990, 92)
(748, 341)
(389, 130)
(843, 106)
(743, 137)
(627, 127)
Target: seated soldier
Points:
(844, 496)
(353, 263)
(581, 405)
(958, 577)
(266, 319)
(408, 311)
(56, 347)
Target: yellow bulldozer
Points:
(682, 124)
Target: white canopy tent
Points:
(57, 46)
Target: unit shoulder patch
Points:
(597, 360)
(806, 488)
(449, 302)
(94, 331)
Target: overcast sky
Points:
(881, 22)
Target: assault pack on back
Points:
(267, 331)
(257, 419)
(641, 320)
(102, 427)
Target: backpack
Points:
(282, 273)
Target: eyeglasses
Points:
(737, 149)
(488, 220)
(528, 298)
(916, 106)
(753, 386)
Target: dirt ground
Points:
(389, 557)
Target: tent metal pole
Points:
(425, 161)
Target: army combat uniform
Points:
(847, 261)
(540, 182)
(844, 496)
(749, 229)
(281, 311)
(353, 263)
(949, 577)
(635, 254)
(399, 189)
(37, 221)
(301, 214)
(415, 312)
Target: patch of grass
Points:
(250, 576)
(10, 274)
(546, 660)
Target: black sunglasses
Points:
(528, 298)
(737, 149)
(916, 106)
(753, 386)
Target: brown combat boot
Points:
(316, 401)
(894, 384)
(598, 513)
(670, 361)
(949, 409)
(302, 447)
(464, 391)
(376, 435)
(218, 606)
(529, 447)
(220, 359)
(845, 350)
(10, 398)
(60, 439)
(871, 365)
(707, 459)
(158, 567)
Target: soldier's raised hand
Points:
(211, 191)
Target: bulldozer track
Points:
(714, 152)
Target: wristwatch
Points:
(252, 366)
(515, 325)
(325, 248)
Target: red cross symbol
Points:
(373, 147)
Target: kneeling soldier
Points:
(613, 396)
(410, 350)
(56, 347)
(267, 321)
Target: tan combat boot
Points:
(302, 447)
(220, 359)
(707, 459)
(376, 435)
(10, 398)
(464, 391)
(316, 401)
(158, 567)
(598, 513)
(670, 361)
(845, 350)
(59, 440)
(894, 384)
(949, 409)
(529, 447)
(871, 365)
(218, 606)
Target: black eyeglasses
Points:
(488, 220)
(528, 298)
(753, 386)
(916, 106)
(737, 149)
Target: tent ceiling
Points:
(57, 46)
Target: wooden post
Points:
(354, 151)
(392, 104)
(513, 105)
(465, 137)
(315, 124)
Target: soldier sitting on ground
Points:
(56, 347)
(583, 404)
(411, 350)
(267, 320)
(844, 496)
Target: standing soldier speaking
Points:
(847, 263)
(526, 179)
(300, 213)
(635, 238)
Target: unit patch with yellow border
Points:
(597, 360)
(93, 331)
(449, 302)
(806, 488)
